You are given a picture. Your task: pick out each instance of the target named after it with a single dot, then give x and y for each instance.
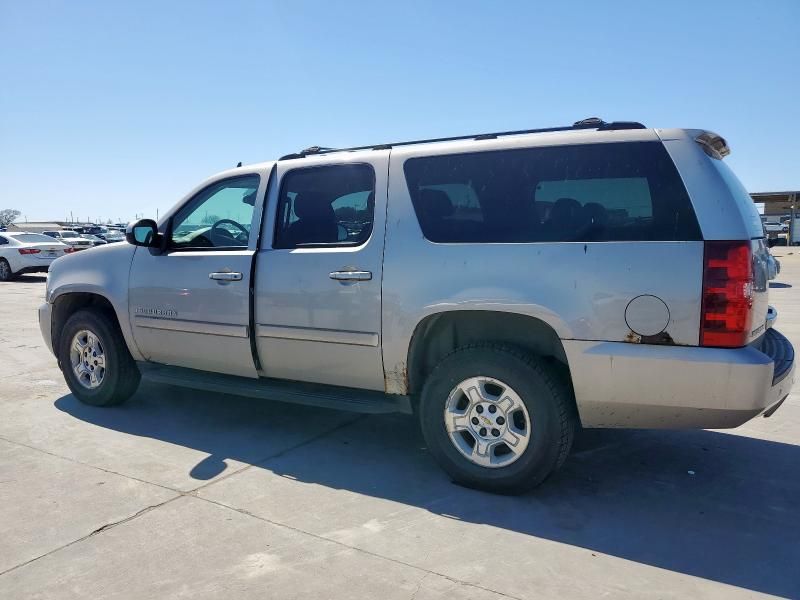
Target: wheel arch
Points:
(67, 304)
(439, 334)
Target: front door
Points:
(190, 305)
(318, 274)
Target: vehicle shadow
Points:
(777, 284)
(28, 279)
(707, 504)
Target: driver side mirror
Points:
(143, 232)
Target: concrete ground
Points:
(184, 494)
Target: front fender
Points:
(102, 271)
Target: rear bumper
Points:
(638, 385)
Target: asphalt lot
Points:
(185, 494)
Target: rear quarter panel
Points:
(580, 289)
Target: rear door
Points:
(318, 272)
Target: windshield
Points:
(69, 234)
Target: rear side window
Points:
(326, 206)
(592, 193)
(743, 200)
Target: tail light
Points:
(69, 250)
(29, 251)
(727, 294)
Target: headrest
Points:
(435, 203)
(312, 205)
(565, 208)
(250, 198)
(596, 213)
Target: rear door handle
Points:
(351, 275)
(225, 276)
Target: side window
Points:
(588, 192)
(220, 216)
(622, 205)
(326, 206)
(3, 241)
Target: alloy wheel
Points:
(487, 422)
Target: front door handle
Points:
(225, 276)
(351, 275)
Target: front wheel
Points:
(95, 361)
(496, 419)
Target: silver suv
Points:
(505, 287)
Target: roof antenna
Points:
(239, 164)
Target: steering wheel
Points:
(223, 237)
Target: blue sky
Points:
(108, 109)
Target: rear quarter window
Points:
(595, 192)
(744, 202)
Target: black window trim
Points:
(190, 202)
(277, 223)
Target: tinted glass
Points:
(4, 241)
(326, 206)
(743, 200)
(32, 238)
(218, 217)
(597, 192)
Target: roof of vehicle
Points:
(587, 131)
(592, 123)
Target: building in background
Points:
(38, 226)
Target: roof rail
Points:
(590, 123)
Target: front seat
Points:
(316, 221)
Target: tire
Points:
(6, 274)
(110, 385)
(520, 387)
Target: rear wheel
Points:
(95, 361)
(5, 270)
(496, 419)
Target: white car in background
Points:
(22, 252)
(70, 238)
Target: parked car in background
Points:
(114, 236)
(773, 266)
(71, 238)
(503, 288)
(22, 252)
(97, 230)
(96, 240)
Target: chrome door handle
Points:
(351, 275)
(226, 276)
